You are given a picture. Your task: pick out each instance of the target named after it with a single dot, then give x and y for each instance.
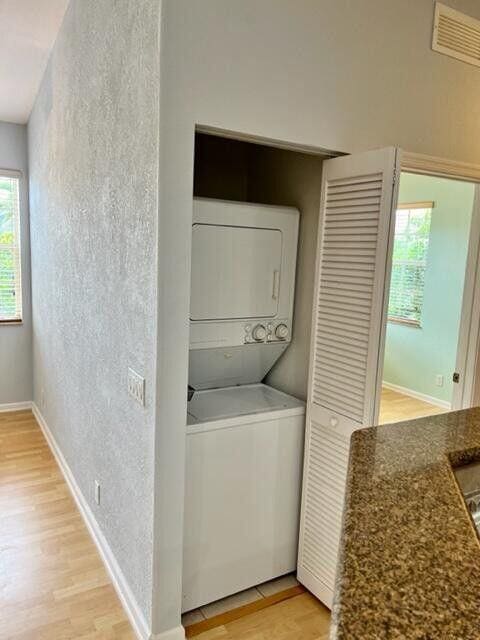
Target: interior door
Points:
(468, 335)
(359, 197)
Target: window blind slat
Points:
(10, 258)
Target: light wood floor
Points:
(300, 618)
(395, 407)
(53, 585)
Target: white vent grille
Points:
(456, 34)
(323, 503)
(347, 279)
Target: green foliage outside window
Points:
(410, 250)
(9, 250)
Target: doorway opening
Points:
(434, 223)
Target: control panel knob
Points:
(281, 332)
(259, 333)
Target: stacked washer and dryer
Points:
(244, 438)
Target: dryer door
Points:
(235, 272)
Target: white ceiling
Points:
(28, 29)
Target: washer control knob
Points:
(259, 333)
(281, 332)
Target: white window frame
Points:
(17, 245)
(409, 206)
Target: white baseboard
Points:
(174, 634)
(122, 588)
(416, 394)
(15, 406)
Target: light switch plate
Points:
(136, 386)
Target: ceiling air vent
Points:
(456, 34)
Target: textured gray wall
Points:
(93, 139)
(16, 340)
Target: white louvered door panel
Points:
(348, 331)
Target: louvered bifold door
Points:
(349, 316)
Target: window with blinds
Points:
(10, 262)
(409, 262)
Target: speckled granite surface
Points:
(410, 557)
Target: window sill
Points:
(11, 323)
(407, 323)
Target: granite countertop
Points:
(409, 564)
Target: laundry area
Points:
(254, 229)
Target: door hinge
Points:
(456, 377)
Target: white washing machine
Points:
(242, 290)
(244, 438)
(242, 496)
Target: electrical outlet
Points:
(136, 386)
(97, 492)
(439, 380)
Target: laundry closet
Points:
(291, 256)
(254, 227)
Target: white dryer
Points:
(242, 290)
(244, 438)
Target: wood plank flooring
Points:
(395, 407)
(53, 585)
(299, 618)
(227, 616)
